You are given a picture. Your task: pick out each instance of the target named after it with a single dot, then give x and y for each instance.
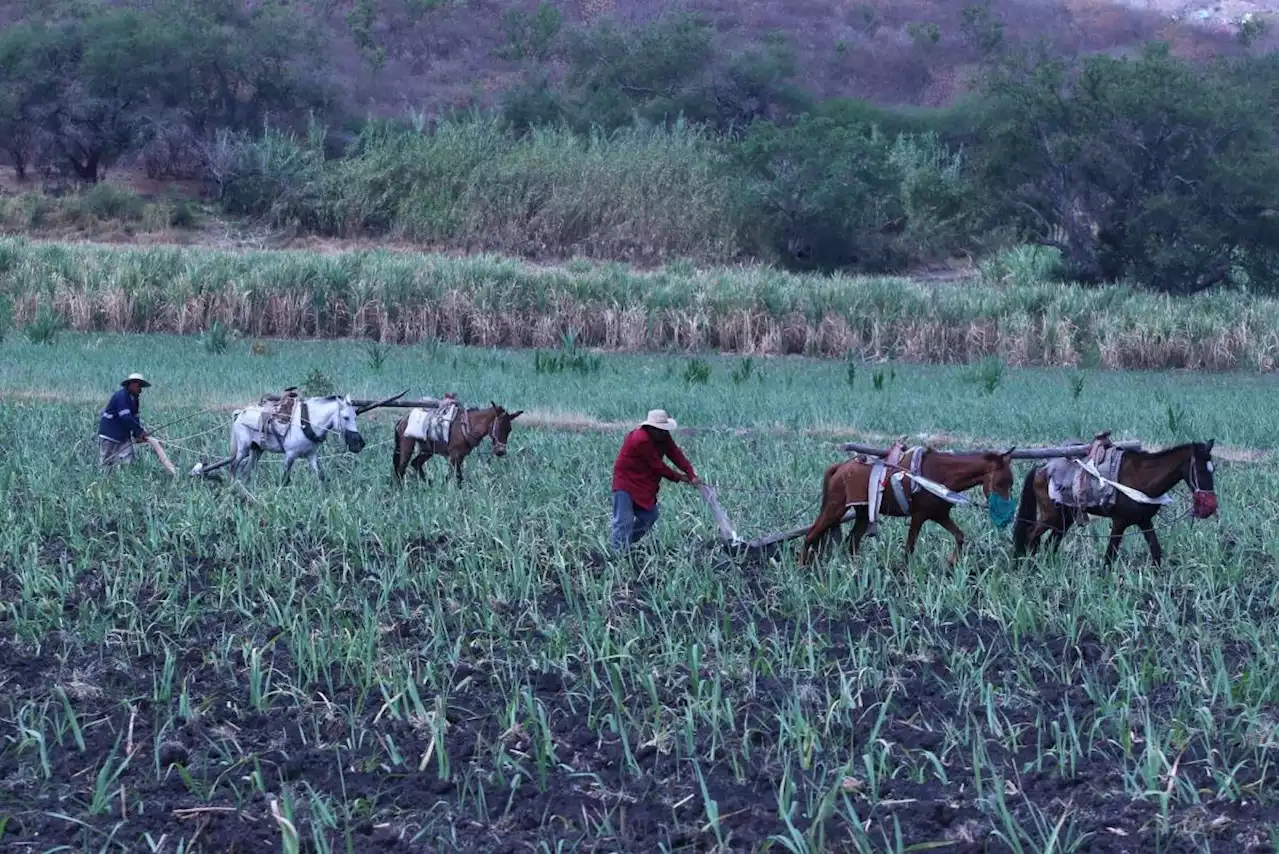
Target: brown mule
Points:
(846, 483)
(1151, 473)
(468, 430)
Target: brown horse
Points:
(846, 483)
(468, 430)
(1151, 473)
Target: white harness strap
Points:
(1137, 495)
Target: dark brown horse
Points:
(469, 428)
(846, 483)
(1151, 473)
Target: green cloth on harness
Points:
(1001, 510)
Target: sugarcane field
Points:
(638, 427)
(208, 647)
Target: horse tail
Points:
(395, 449)
(395, 458)
(235, 416)
(1026, 515)
(826, 484)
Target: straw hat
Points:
(137, 377)
(660, 419)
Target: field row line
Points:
(574, 422)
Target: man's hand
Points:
(693, 480)
(142, 438)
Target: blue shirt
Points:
(120, 420)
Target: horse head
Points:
(997, 486)
(500, 430)
(1199, 476)
(344, 419)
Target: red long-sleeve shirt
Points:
(639, 468)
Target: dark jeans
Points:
(630, 522)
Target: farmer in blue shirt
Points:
(120, 424)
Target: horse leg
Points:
(251, 464)
(456, 461)
(913, 533)
(289, 458)
(1149, 531)
(314, 460)
(954, 529)
(400, 458)
(1059, 532)
(1045, 511)
(828, 517)
(421, 460)
(237, 460)
(860, 522)
(1118, 527)
(1040, 528)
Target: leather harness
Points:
(307, 431)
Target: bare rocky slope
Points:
(870, 49)
(443, 54)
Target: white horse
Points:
(314, 419)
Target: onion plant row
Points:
(433, 668)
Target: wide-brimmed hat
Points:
(660, 419)
(135, 377)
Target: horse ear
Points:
(493, 405)
(1210, 446)
(514, 415)
(1008, 455)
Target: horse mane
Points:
(1163, 452)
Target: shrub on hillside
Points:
(1145, 169)
(277, 176)
(87, 83)
(827, 195)
(673, 69)
(642, 194)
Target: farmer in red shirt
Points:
(637, 473)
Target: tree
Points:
(1146, 169)
(826, 195)
(26, 95)
(86, 82)
(659, 73)
(654, 73)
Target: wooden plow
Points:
(761, 545)
(395, 403)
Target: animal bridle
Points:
(307, 430)
(473, 440)
(1204, 502)
(1193, 477)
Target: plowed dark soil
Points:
(144, 780)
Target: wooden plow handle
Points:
(1067, 451)
(363, 406)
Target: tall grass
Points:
(102, 207)
(644, 193)
(491, 301)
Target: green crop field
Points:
(427, 668)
